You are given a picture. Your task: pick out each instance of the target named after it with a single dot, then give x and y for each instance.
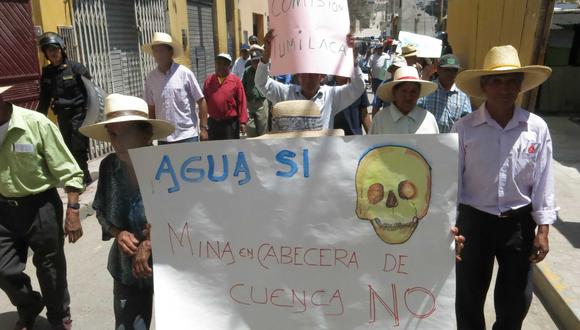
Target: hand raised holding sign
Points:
(268, 46)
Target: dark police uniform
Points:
(63, 87)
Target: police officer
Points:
(62, 89)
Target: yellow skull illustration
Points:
(393, 188)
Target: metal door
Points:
(201, 39)
(18, 53)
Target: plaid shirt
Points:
(447, 106)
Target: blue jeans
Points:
(191, 139)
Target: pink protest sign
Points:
(310, 37)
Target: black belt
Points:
(513, 213)
(26, 200)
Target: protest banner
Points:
(428, 47)
(320, 233)
(310, 37)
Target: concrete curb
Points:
(548, 287)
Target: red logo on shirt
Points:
(533, 148)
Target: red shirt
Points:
(227, 100)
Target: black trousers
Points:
(36, 223)
(69, 122)
(228, 129)
(489, 237)
(133, 306)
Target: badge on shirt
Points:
(23, 147)
(68, 77)
(533, 148)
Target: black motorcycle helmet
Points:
(51, 39)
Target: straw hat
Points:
(122, 108)
(398, 62)
(501, 60)
(161, 38)
(409, 50)
(298, 118)
(405, 74)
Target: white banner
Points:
(324, 233)
(427, 47)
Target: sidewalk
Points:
(557, 278)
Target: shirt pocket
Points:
(26, 164)
(524, 166)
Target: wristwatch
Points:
(205, 127)
(74, 206)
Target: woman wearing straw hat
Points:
(506, 190)
(119, 206)
(403, 116)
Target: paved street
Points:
(90, 285)
(91, 288)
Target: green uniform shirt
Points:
(34, 158)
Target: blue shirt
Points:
(351, 115)
(447, 106)
(116, 205)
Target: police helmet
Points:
(51, 38)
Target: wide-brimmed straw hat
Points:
(405, 74)
(501, 60)
(408, 51)
(297, 119)
(122, 108)
(161, 38)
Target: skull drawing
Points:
(393, 188)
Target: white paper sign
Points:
(310, 37)
(427, 47)
(323, 233)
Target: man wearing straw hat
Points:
(33, 161)
(119, 206)
(403, 116)
(171, 91)
(506, 190)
